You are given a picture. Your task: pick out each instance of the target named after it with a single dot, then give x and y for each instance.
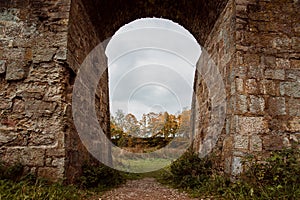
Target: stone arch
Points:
(43, 43)
(97, 21)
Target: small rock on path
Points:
(144, 189)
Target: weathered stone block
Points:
(15, 71)
(278, 123)
(18, 106)
(290, 89)
(228, 145)
(7, 136)
(2, 31)
(61, 55)
(252, 59)
(2, 66)
(48, 73)
(269, 61)
(5, 104)
(28, 56)
(241, 103)
(239, 84)
(269, 87)
(294, 107)
(295, 64)
(294, 124)
(237, 167)
(241, 71)
(282, 63)
(48, 162)
(39, 108)
(36, 139)
(293, 74)
(251, 125)
(255, 143)
(55, 152)
(272, 142)
(43, 54)
(35, 93)
(58, 162)
(257, 104)
(256, 71)
(27, 156)
(51, 173)
(227, 164)
(276, 74)
(9, 14)
(241, 142)
(276, 106)
(252, 86)
(295, 43)
(281, 43)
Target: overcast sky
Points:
(151, 67)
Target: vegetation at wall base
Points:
(277, 177)
(99, 177)
(40, 190)
(17, 185)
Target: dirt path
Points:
(144, 189)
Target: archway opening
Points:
(151, 64)
(93, 22)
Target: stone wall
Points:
(255, 45)
(43, 44)
(266, 79)
(219, 48)
(82, 39)
(33, 80)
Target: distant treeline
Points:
(152, 124)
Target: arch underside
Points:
(198, 16)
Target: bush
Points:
(277, 177)
(99, 176)
(189, 171)
(11, 172)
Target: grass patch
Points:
(143, 165)
(135, 176)
(96, 179)
(24, 189)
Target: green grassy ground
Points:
(143, 165)
(10, 190)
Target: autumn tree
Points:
(184, 122)
(131, 125)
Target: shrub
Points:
(189, 171)
(277, 177)
(11, 172)
(99, 176)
